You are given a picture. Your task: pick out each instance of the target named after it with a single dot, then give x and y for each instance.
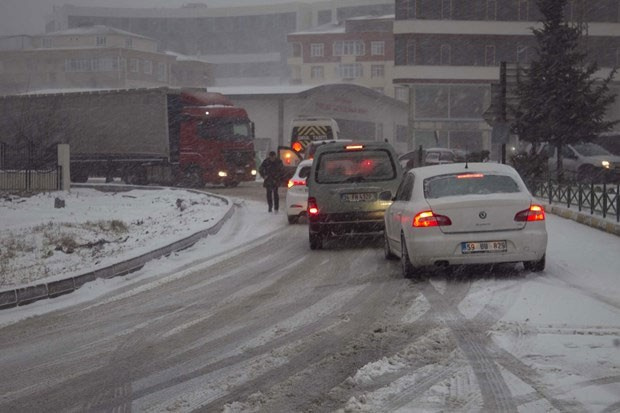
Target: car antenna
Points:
(466, 157)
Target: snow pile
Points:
(40, 239)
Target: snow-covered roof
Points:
(384, 17)
(94, 30)
(339, 27)
(324, 28)
(261, 90)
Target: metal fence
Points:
(600, 199)
(29, 168)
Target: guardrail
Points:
(599, 199)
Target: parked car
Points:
(430, 156)
(297, 192)
(584, 162)
(350, 186)
(480, 213)
(609, 141)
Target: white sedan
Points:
(297, 192)
(457, 214)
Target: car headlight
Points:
(222, 174)
(605, 164)
(253, 172)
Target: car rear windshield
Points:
(469, 184)
(355, 166)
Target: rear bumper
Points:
(431, 249)
(347, 223)
(296, 204)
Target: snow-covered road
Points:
(252, 320)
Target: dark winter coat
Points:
(272, 172)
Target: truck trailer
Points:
(166, 136)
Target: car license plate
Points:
(484, 246)
(359, 197)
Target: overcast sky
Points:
(28, 16)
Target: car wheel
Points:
(292, 219)
(387, 251)
(407, 268)
(535, 266)
(316, 241)
(192, 177)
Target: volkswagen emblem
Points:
(482, 215)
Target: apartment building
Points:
(94, 57)
(247, 44)
(358, 50)
(448, 53)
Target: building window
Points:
(523, 9)
(148, 67)
(129, 43)
(521, 54)
(377, 48)
(401, 93)
(46, 42)
(105, 64)
(350, 71)
(402, 134)
(317, 50)
(446, 54)
(377, 71)
(489, 55)
(100, 41)
(446, 9)
(410, 9)
(78, 65)
(491, 12)
(162, 73)
(317, 72)
(410, 52)
(134, 65)
(295, 50)
(349, 48)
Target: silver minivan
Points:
(350, 186)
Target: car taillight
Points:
(313, 208)
(296, 182)
(533, 213)
(430, 219)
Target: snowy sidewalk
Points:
(48, 251)
(607, 224)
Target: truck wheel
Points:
(135, 176)
(192, 177)
(316, 241)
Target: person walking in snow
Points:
(272, 171)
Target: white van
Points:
(305, 130)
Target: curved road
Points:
(280, 328)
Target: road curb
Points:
(29, 294)
(593, 221)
